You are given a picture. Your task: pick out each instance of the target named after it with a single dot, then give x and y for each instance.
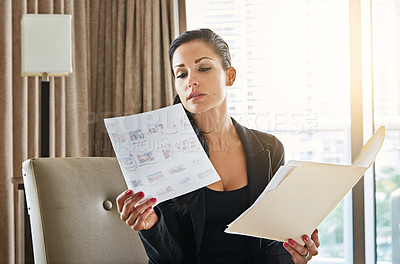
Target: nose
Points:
(192, 81)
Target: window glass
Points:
(292, 64)
(386, 83)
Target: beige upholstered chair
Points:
(71, 202)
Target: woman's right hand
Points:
(137, 216)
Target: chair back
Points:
(73, 214)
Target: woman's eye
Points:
(203, 69)
(181, 75)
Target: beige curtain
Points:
(121, 66)
(129, 61)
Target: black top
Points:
(221, 208)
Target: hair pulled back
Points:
(208, 36)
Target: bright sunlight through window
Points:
(292, 62)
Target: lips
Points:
(195, 95)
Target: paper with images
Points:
(302, 194)
(159, 153)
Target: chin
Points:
(202, 106)
(197, 109)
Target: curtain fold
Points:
(121, 66)
(6, 129)
(130, 61)
(76, 92)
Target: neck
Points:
(215, 125)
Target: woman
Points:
(190, 228)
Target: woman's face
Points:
(200, 80)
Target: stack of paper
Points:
(302, 194)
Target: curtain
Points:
(121, 66)
(129, 62)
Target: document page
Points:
(159, 153)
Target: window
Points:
(386, 66)
(292, 64)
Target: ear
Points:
(230, 76)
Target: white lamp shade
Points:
(46, 45)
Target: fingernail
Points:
(285, 244)
(153, 200)
(151, 207)
(129, 192)
(291, 242)
(140, 194)
(306, 238)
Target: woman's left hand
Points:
(302, 254)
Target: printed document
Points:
(159, 153)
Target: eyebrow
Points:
(195, 62)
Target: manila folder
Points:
(302, 194)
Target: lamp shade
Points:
(46, 45)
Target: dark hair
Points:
(184, 202)
(218, 44)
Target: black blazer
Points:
(176, 238)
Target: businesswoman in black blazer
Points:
(190, 228)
